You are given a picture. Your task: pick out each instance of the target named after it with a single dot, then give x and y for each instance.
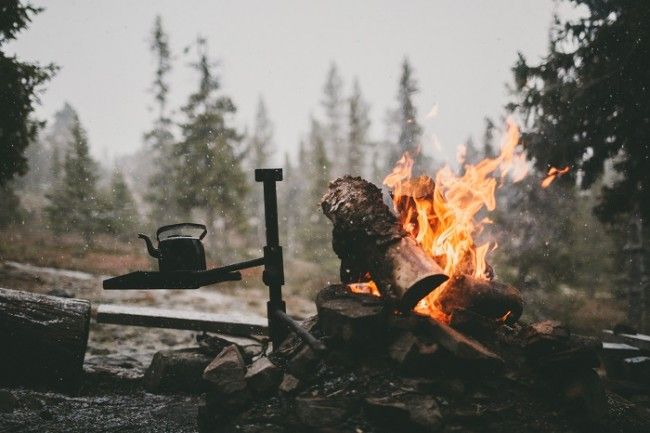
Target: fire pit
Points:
(420, 335)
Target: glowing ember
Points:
(552, 174)
(368, 288)
(440, 214)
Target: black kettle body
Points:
(178, 249)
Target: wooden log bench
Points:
(228, 324)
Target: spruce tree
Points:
(410, 131)
(289, 205)
(123, 218)
(72, 202)
(159, 141)
(209, 175)
(260, 150)
(334, 105)
(260, 143)
(316, 236)
(19, 86)
(488, 139)
(57, 138)
(358, 125)
(20, 83)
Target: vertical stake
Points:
(273, 275)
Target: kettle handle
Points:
(171, 226)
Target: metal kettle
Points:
(179, 247)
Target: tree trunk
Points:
(368, 239)
(42, 340)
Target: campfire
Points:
(420, 335)
(440, 214)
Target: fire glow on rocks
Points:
(441, 213)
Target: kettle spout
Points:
(153, 252)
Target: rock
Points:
(550, 345)
(177, 371)
(462, 347)
(405, 412)
(356, 320)
(227, 371)
(413, 354)
(303, 365)
(324, 411)
(544, 337)
(289, 384)
(212, 344)
(7, 401)
(263, 377)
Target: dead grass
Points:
(41, 248)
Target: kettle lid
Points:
(185, 230)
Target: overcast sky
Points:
(461, 52)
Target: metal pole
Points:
(273, 275)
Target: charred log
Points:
(368, 239)
(43, 340)
(489, 299)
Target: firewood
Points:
(355, 320)
(43, 340)
(263, 377)
(368, 238)
(487, 298)
(177, 371)
(227, 371)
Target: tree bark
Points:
(490, 299)
(42, 340)
(368, 239)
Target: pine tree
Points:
(358, 125)
(55, 166)
(72, 202)
(333, 105)
(315, 229)
(209, 175)
(123, 218)
(20, 83)
(159, 141)
(260, 143)
(586, 104)
(19, 88)
(488, 139)
(288, 198)
(57, 137)
(260, 150)
(410, 130)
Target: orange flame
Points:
(440, 214)
(367, 288)
(552, 174)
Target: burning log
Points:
(490, 299)
(43, 340)
(368, 238)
